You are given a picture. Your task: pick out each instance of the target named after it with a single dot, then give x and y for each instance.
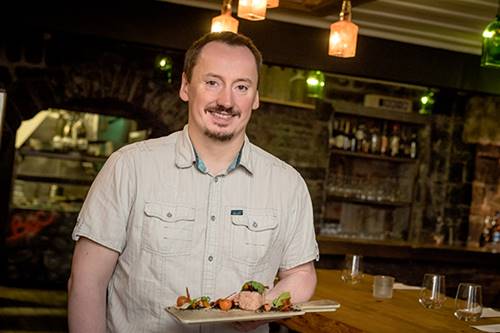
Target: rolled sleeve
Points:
(301, 246)
(104, 214)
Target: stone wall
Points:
(482, 128)
(449, 188)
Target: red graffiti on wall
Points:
(28, 225)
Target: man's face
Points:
(222, 92)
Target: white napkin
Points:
(488, 328)
(490, 313)
(402, 286)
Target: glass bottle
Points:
(384, 140)
(394, 141)
(413, 146)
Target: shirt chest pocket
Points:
(168, 229)
(252, 236)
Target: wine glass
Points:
(352, 272)
(468, 302)
(432, 295)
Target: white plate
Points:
(204, 316)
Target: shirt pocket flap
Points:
(169, 213)
(255, 222)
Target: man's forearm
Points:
(299, 281)
(86, 310)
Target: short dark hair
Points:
(226, 37)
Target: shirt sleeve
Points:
(301, 244)
(104, 214)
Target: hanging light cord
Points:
(345, 13)
(226, 7)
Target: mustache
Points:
(222, 109)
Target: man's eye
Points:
(211, 83)
(242, 88)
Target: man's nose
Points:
(225, 98)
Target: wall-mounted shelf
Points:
(287, 103)
(364, 111)
(54, 180)
(72, 156)
(385, 203)
(373, 156)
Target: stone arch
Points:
(109, 82)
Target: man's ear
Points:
(183, 91)
(256, 101)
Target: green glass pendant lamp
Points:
(491, 43)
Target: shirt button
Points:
(210, 258)
(212, 217)
(216, 179)
(255, 224)
(169, 214)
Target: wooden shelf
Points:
(73, 156)
(55, 180)
(383, 203)
(287, 103)
(372, 156)
(360, 110)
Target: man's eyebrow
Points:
(217, 76)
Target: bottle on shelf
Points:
(394, 141)
(347, 138)
(384, 140)
(375, 141)
(413, 145)
(339, 137)
(352, 136)
(335, 130)
(360, 137)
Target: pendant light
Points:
(491, 43)
(253, 10)
(273, 3)
(343, 34)
(225, 22)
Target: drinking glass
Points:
(468, 302)
(382, 287)
(432, 295)
(352, 271)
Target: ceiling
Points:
(454, 25)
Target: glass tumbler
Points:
(468, 302)
(432, 295)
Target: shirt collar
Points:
(185, 154)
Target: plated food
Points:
(248, 304)
(251, 297)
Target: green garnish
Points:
(253, 286)
(282, 300)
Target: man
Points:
(202, 208)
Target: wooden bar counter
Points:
(360, 312)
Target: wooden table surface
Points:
(360, 312)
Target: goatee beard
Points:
(222, 137)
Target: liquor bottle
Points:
(413, 145)
(339, 138)
(354, 142)
(333, 136)
(384, 140)
(360, 137)
(347, 138)
(375, 141)
(394, 141)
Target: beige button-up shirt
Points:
(176, 227)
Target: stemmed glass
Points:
(432, 295)
(468, 302)
(352, 272)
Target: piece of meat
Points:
(250, 300)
